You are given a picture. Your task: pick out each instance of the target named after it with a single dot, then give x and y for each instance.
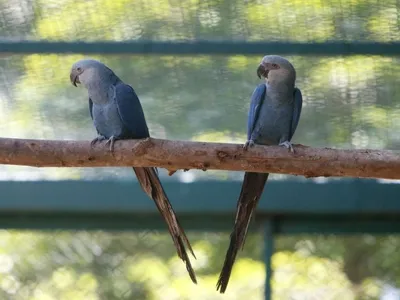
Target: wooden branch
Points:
(174, 155)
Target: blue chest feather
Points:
(117, 112)
(273, 117)
(107, 120)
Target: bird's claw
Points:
(111, 141)
(249, 143)
(99, 138)
(287, 145)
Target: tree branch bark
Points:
(175, 155)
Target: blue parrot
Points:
(117, 114)
(273, 117)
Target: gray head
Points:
(275, 68)
(89, 71)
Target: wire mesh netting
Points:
(312, 20)
(348, 102)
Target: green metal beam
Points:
(333, 225)
(204, 47)
(215, 223)
(348, 206)
(338, 225)
(344, 197)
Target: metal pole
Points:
(268, 252)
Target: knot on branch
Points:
(223, 155)
(141, 146)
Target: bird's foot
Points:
(111, 141)
(99, 138)
(287, 145)
(249, 143)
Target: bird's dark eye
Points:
(275, 66)
(79, 69)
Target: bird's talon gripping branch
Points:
(99, 138)
(249, 143)
(111, 142)
(288, 145)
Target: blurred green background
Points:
(103, 265)
(349, 102)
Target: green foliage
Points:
(115, 265)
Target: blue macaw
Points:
(273, 117)
(117, 114)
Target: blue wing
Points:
(91, 111)
(131, 112)
(257, 100)
(91, 108)
(297, 104)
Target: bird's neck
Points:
(280, 89)
(99, 90)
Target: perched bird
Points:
(117, 114)
(272, 120)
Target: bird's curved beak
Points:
(74, 77)
(262, 70)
